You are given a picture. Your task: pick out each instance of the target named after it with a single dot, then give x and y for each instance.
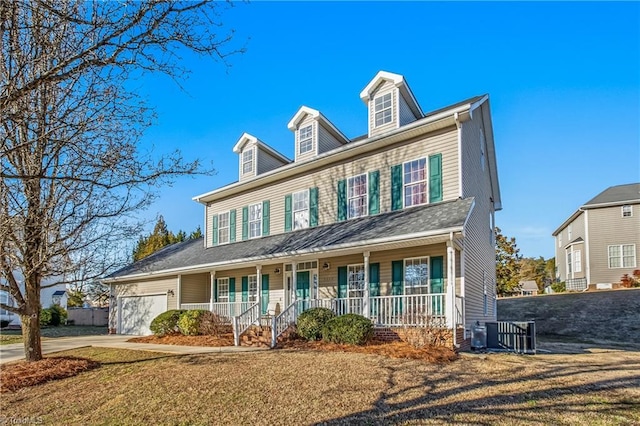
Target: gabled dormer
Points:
(314, 134)
(256, 157)
(390, 103)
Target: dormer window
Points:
(305, 137)
(247, 161)
(382, 105)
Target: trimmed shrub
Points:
(213, 324)
(350, 328)
(559, 287)
(58, 315)
(166, 323)
(311, 322)
(189, 322)
(45, 317)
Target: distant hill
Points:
(592, 316)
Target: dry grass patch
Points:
(24, 374)
(180, 340)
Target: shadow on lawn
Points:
(507, 405)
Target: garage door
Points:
(137, 312)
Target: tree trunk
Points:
(31, 336)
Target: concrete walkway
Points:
(15, 351)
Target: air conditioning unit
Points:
(478, 336)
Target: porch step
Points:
(260, 336)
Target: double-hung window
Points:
(622, 256)
(305, 139)
(569, 263)
(627, 210)
(355, 281)
(247, 161)
(415, 182)
(577, 261)
(223, 289)
(357, 196)
(6, 299)
(416, 275)
(301, 209)
(382, 109)
(253, 288)
(223, 228)
(255, 220)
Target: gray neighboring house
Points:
(528, 288)
(396, 225)
(599, 243)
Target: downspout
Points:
(451, 288)
(456, 118)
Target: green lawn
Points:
(595, 387)
(15, 336)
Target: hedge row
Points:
(189, 323)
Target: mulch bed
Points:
(180, 340)
(24, 374)
(432, 354)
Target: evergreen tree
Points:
(507, 264)
(159, 238)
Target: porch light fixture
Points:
(326, 266)
(170, 292)
(277, 271)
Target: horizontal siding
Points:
(275, 280)
(562, 240)
(195, 288)
(406, 115)
(382, 90)
(326, 141)
(443, 142)
(608, 227)
(267, 162)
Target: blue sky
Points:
(563, 80)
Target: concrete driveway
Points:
(15, 351)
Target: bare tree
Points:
(72, 172)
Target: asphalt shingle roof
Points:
(617, 194)
(431, 217)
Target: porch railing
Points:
(242, 322)
(189, 306)
(411, 310)
(281, 322)
(223, 309)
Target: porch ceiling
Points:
(424, 225)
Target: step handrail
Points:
(242, 322)
(281, 322)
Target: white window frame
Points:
(364, 206)
(7, 300)
(255, 223)
(627, 210)
(305, 139)
(569, 263)
(252, 287)
(560, 239)
(247, 161)
(380, 108)
(227, 228)
(426, 285)
(570, 232)
(424, 181)
(355, 281)
(621, 256)
(223, 284)
(301, 211)
(577, 261)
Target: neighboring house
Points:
(528, 288)
(396, 224)
(55, 295)
(599, 243)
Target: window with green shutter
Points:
(342, 282)
(396, 187)
(214, 230)
(374, 192)
(397, 284)
(265, 293)
(374, 279)
(245, 223)
(265, 218)
(245, 289)
(232, 226)
(342, 200)
(435, 178)
(288, 214)
(215, 290)
(313, 207)
(232, 289)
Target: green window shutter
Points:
(342, 200)
(215, 290)
(245, 223)
(215, 230)
(374, 192)
(435, 178)
(288, 215)
(265, 293)
(232, 226)
(342, 281)
(396, 187)
(397, 277)
(245, 289)
(436, 274)
(313, 207)
(232, 289)
(265, 218)
(374, 279)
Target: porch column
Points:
(367, 292)
(259, 288)
(179, 292)
(294, 284)
(450, 304)
(213, 290)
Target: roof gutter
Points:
(289, 254)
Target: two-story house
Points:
(396, 225)
(599, 242)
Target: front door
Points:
(302, 286)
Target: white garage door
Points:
(137, 312)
